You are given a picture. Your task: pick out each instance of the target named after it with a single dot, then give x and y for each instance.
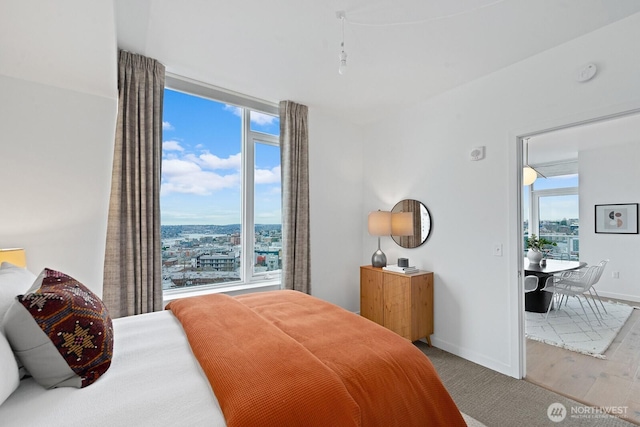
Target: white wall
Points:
(337, 222)
(57, 115)
(423, 153)
(607, 176)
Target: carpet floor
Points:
(499, 400)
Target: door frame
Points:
(516, 257)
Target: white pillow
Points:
(60, 331)
(14, 281)
(9, 378)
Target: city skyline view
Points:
(207, 152)
(562, 206)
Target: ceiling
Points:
(564, 144)
(399, 53)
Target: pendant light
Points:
(529, 174)
(342, 67)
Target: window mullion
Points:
(248, 228)
(534, 214)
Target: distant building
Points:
(216, 262)
(268, 258)
(170, 261)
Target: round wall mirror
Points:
(410, 223)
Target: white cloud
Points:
(256, 117)
(171, 146)
(267, 176)
(261, 118)
(188, 177)
(235, 110)
(211, 161)
(177, 167)
(167, 126)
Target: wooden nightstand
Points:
(400, 302)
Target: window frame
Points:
(534, 204)
(248, 279)
(249, 161)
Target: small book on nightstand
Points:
(406, 270)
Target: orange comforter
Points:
(283, 358)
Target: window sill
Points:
(262, 286)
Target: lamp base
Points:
(379, 259)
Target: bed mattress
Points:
(153, 376)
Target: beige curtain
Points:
(415, 240)
(294, 154)
(132, 268)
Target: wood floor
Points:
(614, 381)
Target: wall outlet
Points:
(615, 274)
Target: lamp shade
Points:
(528, 175)
(402, 224)
(15, 256)
(380, 223)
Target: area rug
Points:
(568, 328)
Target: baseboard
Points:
(475, 357)
(614, 295)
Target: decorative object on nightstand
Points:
(379, 224)
(401, 269)
(400, 302)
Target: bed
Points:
(274, 358)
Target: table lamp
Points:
(15, 256)
(402, 224)
(379, 224)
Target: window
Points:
(554, 214)
(220, 198)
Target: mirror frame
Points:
(422, 223)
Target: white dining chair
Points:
(575, 285)
(568, 276)
(530, 283)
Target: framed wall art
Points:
(617, 218)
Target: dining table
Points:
(538, 301)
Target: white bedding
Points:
(153, 380)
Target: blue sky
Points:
(201, 163)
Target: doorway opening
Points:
(585, 164)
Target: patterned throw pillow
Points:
(61, 331)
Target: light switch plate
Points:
(497, 249)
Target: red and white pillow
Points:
(60, 331)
